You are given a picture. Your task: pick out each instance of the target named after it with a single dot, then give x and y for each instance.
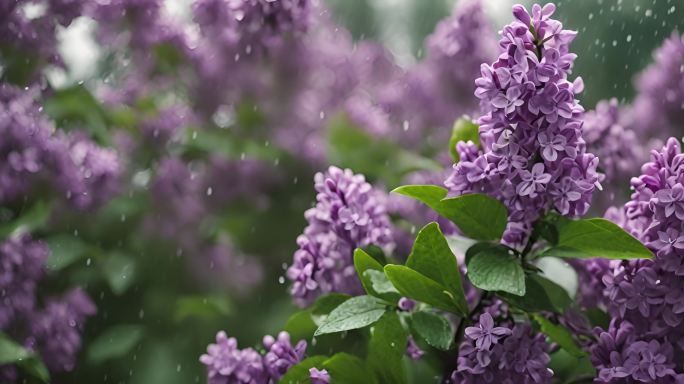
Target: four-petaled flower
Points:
(534, 181)
(485, 333)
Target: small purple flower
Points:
(671, 201)
(413, 350)
(533, 182)
(551, 146)
(485, 334)
(319, 376)
(281, 354)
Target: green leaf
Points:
(64, 251)
(568, 369)
(432, 257)
(300, 325)
(354, 313)
(495, 269)
(13, 353)
(430, 195)
(376, 253)
(597, 238)
(478, 216)
(386, 349)
(597, 317)
(348, 369)
(120, 270)
(416, 286)
(203, 307)
(299, 373)
(325, 304)
(373, 277)
(559, 334)
(541, 294)
(434, 329)
(76, 106)
(463, 130)
(29, 220)
(114, 343)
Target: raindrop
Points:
(281, 280)
(242, 156)
(321, 115)
(210, 191)
(629, 38)
(88, 262)
(178, 368)
(406, 125)
(614, 43)
(123, 217)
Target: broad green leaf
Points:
(115, 342)
(76, 106)
(478, 216)
(203, 307)
(120, 270)
(430, 195)
(416, 286)
(381, 283)
(354, 313)
(13, 353)
(29, 219)
(386, 349)
(325, 304)
(432, 257)
(373, 282)
(64, 251)
(495, 269)
(299, 373)
(597, 238)
(463, 130)
(568, 369)
(597, 317)
(348, 369)
(300, 325)
(559, 334)
(541, 294)
(433, 328)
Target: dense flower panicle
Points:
(21, 267)
(646, 297)
(439, 89)
(226, 364)
(616, 146)
(658, 109)
(503, 352)
(35, 36)
(533, 155)
(34, 152)
(56, 329)
(349, 213)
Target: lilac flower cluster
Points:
(503, 352)
(659, 104)
(54, 331)
(533, 155)
(616, 146)
(349, 213)
(646, 297)
(34, 36)
(33, 152)
(226, 364)
(439, 89)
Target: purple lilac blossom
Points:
(36, 36)
(502, 352)
(56, 329)
(319, 376)
(349, 213)
(226, 364)
(35, 153)
(533, 155)
(413, 350)
(439, 89)
(21, 267)
(646, 297)
(616, 145)
(658, 109)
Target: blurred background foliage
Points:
(154, 319)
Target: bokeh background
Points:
(198, 236)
